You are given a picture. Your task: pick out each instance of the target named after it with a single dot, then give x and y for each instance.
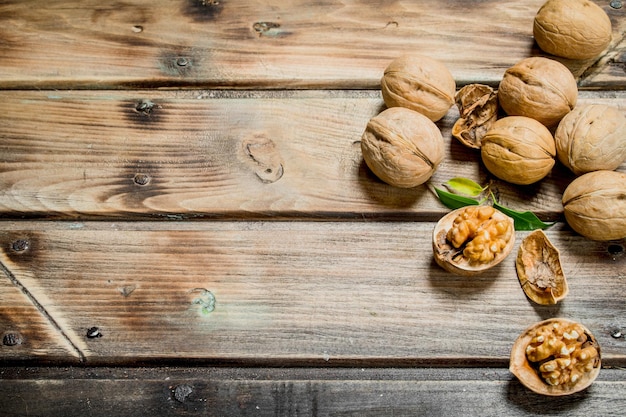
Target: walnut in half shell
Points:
(470, 240)
(539, 271)
(556, 357)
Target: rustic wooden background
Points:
(187, 224)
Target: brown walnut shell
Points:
(419, 83)
(402, 147)
(528, 372)
(539, 88)
(478, 110)
(519, 150)
(591, 137)
(539, 270)
(454, 256)
(574, 29)
(594, 205)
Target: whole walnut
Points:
(402, 147)
(539, 88)
(594, 205)
(518, 149)
(591, 138)
(419, 83)
(575, 29)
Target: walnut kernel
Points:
(472, 239)
(556, 357)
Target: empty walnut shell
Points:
(478, 110)
(402, 147)
(565, 357)
(419, 83)
(591, 138)
(539, 271)
(594, 205)
(575, 29)
(539, 88)
(470, 240)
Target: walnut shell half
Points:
(556, 357)
(539, 271)
(470, 240)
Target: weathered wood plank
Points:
(269, 44)
(207, 154)
(27, 333)
(288, 392)
(280, 293)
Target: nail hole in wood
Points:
(615, 249)
(12, 339)
(141, 179)
(93, 332)
(20, 245)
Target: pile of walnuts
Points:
(522, 130)
(532, 122)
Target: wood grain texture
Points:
(270, 44)
(294, 391)
(228, 155)
(281, 293)
(182, 188)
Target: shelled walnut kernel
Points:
(556, 357)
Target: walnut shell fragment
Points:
(478, 109)
(556, 357)
(470, 240)
(539, 271)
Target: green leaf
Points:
(524, 220)
(454, 201)
(465, 186)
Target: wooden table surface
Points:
(187, 225)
